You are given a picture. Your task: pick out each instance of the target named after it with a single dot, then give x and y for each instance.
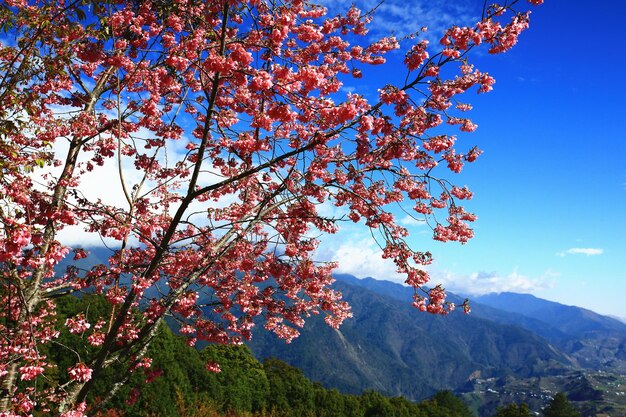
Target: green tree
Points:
(377, 405)
(445, 403)
(513, 410)
(560, 407)
(290, 390)
(329, 402)
(242, 377)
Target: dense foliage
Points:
(178, 384)
(390, 346)
(513, 410)
(560, 407)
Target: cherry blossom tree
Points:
(224, 128)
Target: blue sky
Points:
(550, 188)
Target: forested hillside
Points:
(178, 382)
(390, 347)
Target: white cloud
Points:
(76, 236)
(478, 283)
(329, 210)
(363, 259)
(104, 184)
(357, 254)
(404, 17)
(411, 221)
(581, 251)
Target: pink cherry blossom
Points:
(78, 411)
(232, 130)
(30, 372)
(80, 372)
(77, 324)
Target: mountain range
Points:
(390, 347)
(590, 340)
(520, 346)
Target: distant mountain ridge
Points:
(507, 344)
(575, 321)
(588, 339)
(486, 311)
(591, 340)
(547, 318)
(391, 347)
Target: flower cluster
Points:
(80, 372)
(77, 324)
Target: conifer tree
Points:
(513, 410)
(560, 407)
